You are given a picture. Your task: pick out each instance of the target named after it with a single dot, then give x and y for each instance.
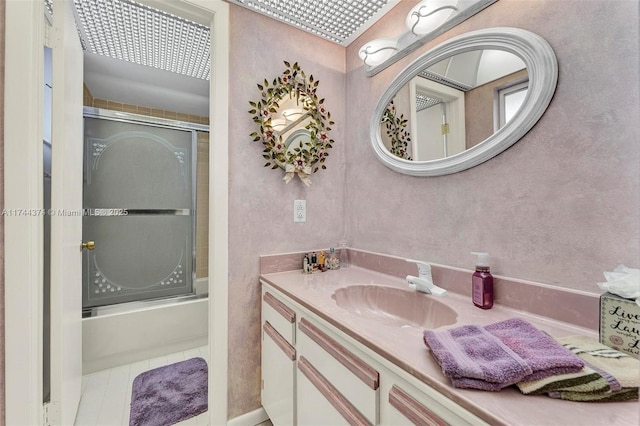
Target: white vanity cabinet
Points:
(278, 360)
(315, 374)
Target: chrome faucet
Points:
(424, 282)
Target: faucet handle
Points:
(424, 269)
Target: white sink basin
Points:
(395, 306)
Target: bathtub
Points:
(144, 330)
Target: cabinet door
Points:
(278, 377)
(321, 404)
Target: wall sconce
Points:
(427, 20)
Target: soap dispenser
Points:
(482, 282)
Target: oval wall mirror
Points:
(464, 101)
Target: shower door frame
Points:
(125, 117)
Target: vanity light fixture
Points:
(292, 114)
(429, 15)
(377, 51)
(427, 20)
(279, 123)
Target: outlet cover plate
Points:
(300, 211)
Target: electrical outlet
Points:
(299, 210)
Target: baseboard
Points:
(252, 418)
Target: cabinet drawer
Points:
(280, 316)
(404, 404)
(357, 381)
(412, 410)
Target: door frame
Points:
(23, 195)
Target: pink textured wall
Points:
(260, 203)
(559, 207)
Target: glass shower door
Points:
(139, 209)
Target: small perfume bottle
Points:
(305, 263)
(332, 261)
(344, 255)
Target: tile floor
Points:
(106, 395)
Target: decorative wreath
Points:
(309, 156)
(396, 131)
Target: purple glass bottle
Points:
(482, 282)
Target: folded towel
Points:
(623, 368)
(586, 379)
(473, 353)
(545, 356)
(626, 394)
(620, 371)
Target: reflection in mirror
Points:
(456, 109)
(490, 84)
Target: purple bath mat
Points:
(170, 394)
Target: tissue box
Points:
(620, 324)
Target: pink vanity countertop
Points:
(405, 348)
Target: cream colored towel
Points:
(587, 380)
(620, 371)
(624, 368)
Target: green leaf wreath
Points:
(310, 156)
(396, 131)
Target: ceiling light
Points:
(335, 20)
(130, 31)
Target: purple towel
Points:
(543, 354)
(499, 355)
(474, 358)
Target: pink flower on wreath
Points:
(285, 79)
(268, 134)
(299, 163)
(265, 113)
(322, 110)
(323, 136)
(279, 147)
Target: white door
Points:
(66, 219)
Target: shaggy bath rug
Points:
(167, 395)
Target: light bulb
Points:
(377, 51)
(428, 15)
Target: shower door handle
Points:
(89, 245)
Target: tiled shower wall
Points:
(202, 168)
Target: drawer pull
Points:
(289, 350)
(417, 413)
(358, 367)
(332, 395)
(280, 307)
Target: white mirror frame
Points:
(542, 68)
